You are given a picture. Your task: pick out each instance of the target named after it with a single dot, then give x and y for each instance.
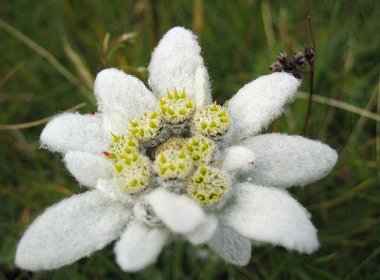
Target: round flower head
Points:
(207, 186)
(169, 161)
(212, 120)
(176, 107)
(132, 172)
(146, 125)
(173, 164)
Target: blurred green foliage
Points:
(239, 41)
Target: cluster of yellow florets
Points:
(207, 186)
(146, 125)
(201, 149)
(132, 172)
(176, 107)
(185, 161)
(122, 144)
(173, 164)
(211, 120)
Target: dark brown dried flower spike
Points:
(276, 67)
(309, 53)
(299, 58)
(282, 56)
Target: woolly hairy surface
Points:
(231, 246)
(259, 102)
(175, 62)
(204, 231)
(120, 97)
(238, 158)
(109, 188)
(266, 214)
(70, 230)
(285, 161)
(179, 213)
(87, 168)
(202, 94)
(76, 132)
(139, 246)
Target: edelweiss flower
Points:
(169, 161)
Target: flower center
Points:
(182, 165)
(176, 107)
(211, 120)
(121, 145)
(132, 172)
(207, 186)
(146, 125)
(173, 164)
(201, 149)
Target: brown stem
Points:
(311, 92)
(155, 23)
(311, 87)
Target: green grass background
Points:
(239, 41)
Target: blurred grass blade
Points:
(127, 37)
(41, 51)
(38, 122)
(267, 21)
(378, 133)
(342, 198)
(198, 17)
(10, 73)
(341, 105)
(106, 43)
(79, 65)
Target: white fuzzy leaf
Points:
(69, 230)
(120, 97)
(139, 246)
(110, 189)
(175, 62)
(179, 213)
(202, 92)
(76, 132)
(204, 231)
(271, 215)
(238, 159)
(231, 246)
(258, 103)
(285, 161)
(88, 168)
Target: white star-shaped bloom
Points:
(169, 161)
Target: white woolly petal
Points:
(73, 131)
(285, 161)
(88, 168)
(120, 97)
(204, 231)
(139, 246)
(175, 62)
(110, 189)
(238, 158)
(231, 246)
(202, 93)
(258, 103)
(179, 213)
(69, 230)
(271, 215)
